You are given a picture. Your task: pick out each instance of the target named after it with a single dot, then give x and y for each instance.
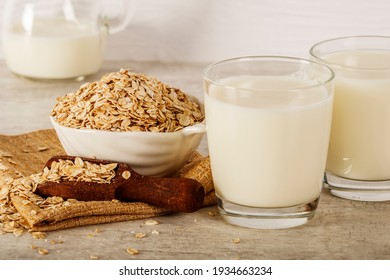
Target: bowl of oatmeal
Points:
(133, 118)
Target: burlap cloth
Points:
(29, 155)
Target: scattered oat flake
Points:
(98, 230)
(33, 247)
(12, 162)
(151, 222)
(38, 235)
(236, 240)
(18, 231)
(126, 174)
(115, 200)
(42, 251)
(3, 167)
(155, 232)
(42, 148)
(5, 154)
(90, 235)
(132, 251)
(93, 257)
(212, 213)
(140, 235)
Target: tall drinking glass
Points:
(358, 165)
(268, 124)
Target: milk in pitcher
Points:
(54, 48)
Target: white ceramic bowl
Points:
(156, 154)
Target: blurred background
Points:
(210, 30)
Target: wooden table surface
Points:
(341, 229)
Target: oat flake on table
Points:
(127, 101)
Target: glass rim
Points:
(343, 66)
(269, 58)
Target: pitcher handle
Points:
(122, 20)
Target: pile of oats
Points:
(10, 219)
(77, 170)
(127, 101)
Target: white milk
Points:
(360, 138)
(264, 153)
(54, 49)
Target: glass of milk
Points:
(268, 123)
(59, 39)
(358, 164)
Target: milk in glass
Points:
(268, 148)
(360, 138)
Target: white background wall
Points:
(211, 30)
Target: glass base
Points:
(266, 218)
(357, 190)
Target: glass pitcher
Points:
(59, 39)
